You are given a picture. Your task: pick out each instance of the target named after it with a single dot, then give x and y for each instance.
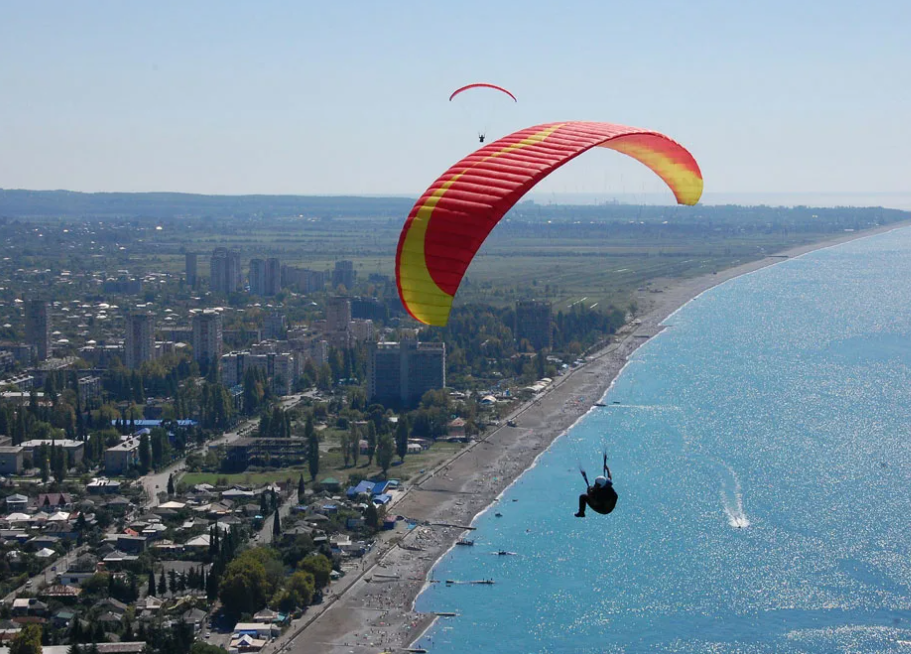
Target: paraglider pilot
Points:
(481, 137)
(601, 498)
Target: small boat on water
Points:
(602, 404)
(484, 582)
(498, 514)
(465, 541)
(505, 553)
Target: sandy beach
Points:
(370, 609)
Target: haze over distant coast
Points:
(63, 203)
(809, 199)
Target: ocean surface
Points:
(761, 449)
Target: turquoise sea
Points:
(761, 449)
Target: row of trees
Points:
(258, 577)
(177, 582)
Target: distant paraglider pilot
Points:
(601, 498)
(481, 137)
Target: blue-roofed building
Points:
(157, 423)
(379, 488)
(365, 488)
(382, 499)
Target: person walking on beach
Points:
(601, 498)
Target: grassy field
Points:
(331, 465)
(601, 267)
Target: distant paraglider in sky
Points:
(453, 217)
(482, 85)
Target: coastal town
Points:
(423, 328)
(181, 475)
(139, 520)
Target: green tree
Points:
(385, 450)
(355, 443)
(371, 442)
(276, 525)
(318, 566)
(170, 484)
(300, 488)
(372, 516)
(43, 463)
(151, 582)
(301, 587)
(244, 587)
(324, 378)
(27, 641)
(205, 648)
(145, 454)
(312, 448)
(58, 462)
(401, 437)
(344, 442)
(160, 446)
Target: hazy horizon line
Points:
(894, 199)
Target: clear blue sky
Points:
(351, 97)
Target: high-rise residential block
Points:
(139, 344)
(224, 271)
(403, 372)
(207, 336)
(38, 327)
(191, 268)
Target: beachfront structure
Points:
(534, 323)
(403, 372)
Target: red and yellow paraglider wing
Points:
(450, 222)
(668, 159)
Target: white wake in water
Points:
(732, 497)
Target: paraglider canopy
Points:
(450, 221)
(481, 85)
(482, 132)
